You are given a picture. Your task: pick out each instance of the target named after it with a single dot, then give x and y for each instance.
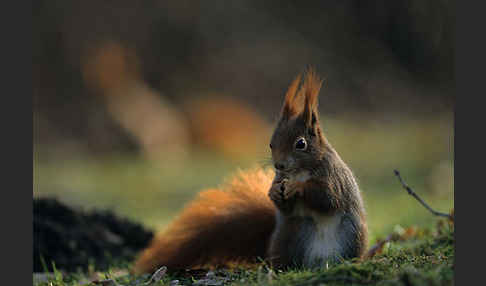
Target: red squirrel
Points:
(308, 212)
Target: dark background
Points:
(380, 58)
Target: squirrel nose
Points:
(279, 166)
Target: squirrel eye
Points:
(271, 146)
(301, 144)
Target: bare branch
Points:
(413, 194)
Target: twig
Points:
(413, 194)
(378, 247)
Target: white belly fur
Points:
(325, 241)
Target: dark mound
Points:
(73, 239)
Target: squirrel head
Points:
(297, 143)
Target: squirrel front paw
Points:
(276, 192)
(282, 193)
(292, 188)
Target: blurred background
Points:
(138, 105)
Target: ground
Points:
(419, 257)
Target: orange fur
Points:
(297, 100)
(221, 226)
(290, 108)
(311, 87)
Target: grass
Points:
(425, 259)
(153, 193)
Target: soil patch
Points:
(74, 239)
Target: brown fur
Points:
(221, 226)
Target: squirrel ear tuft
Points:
(302, 100)
(310, 89)
(290, 107)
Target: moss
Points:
(426, 259)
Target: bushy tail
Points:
(221, 226)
